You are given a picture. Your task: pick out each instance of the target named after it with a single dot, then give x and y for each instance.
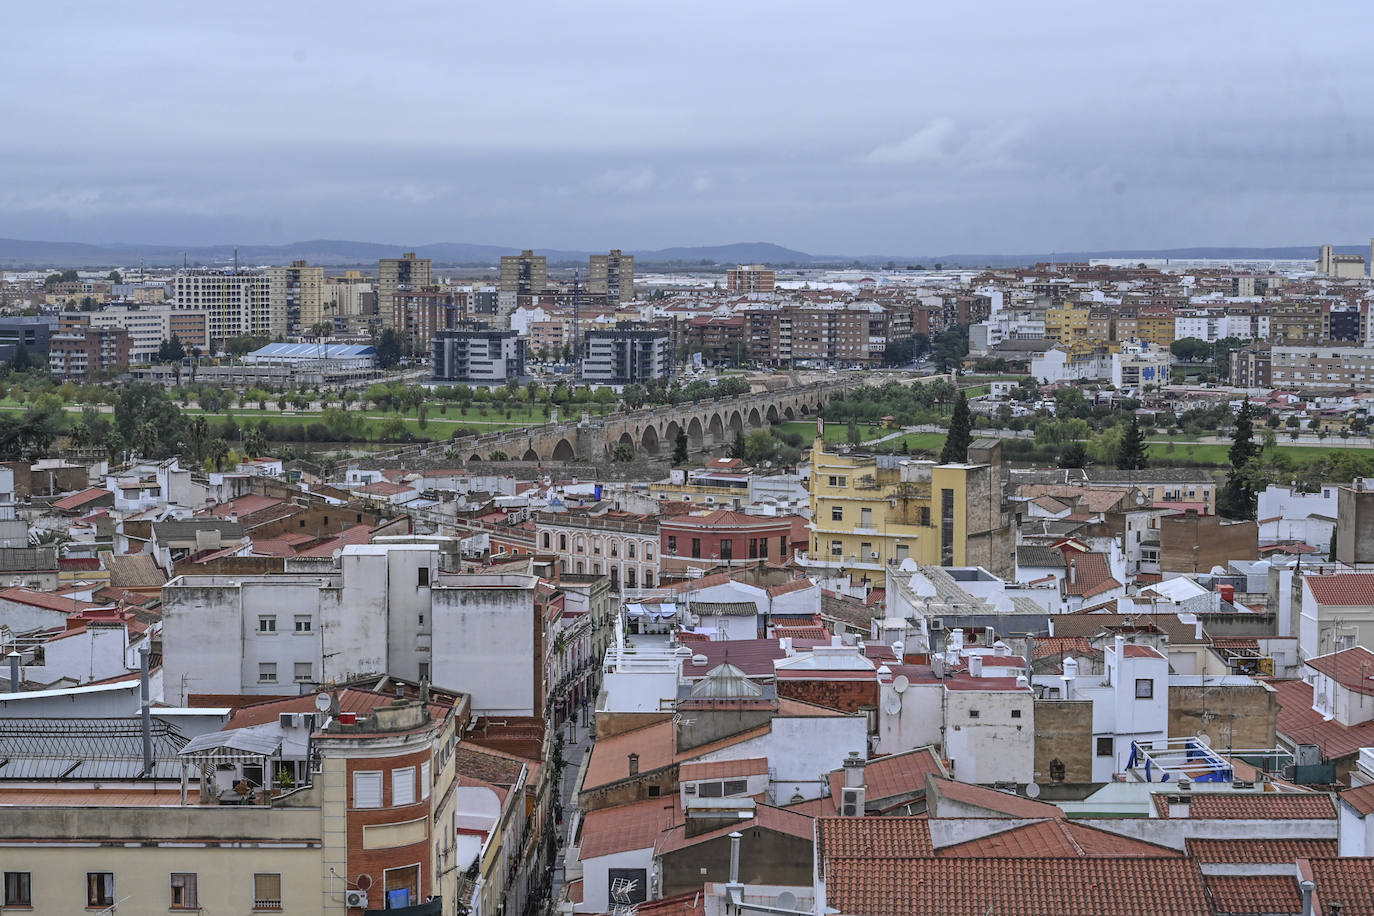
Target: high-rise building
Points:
(298, 292)
(478, 356)
(417, 315)
(395, 275)
(612, 274)
(627, 355)
(750, 278)
(79, 354)
(236, 304)
(524, 274)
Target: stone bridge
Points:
(652, 431)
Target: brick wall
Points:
(1064, 732)
(1242, 717)
(844, 695)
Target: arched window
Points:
(630, 549)
(615, 547)
(563, 543)
(629, 577)
(546, 540)
(615, 578)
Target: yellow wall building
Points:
(1068, 324)
(870, 513)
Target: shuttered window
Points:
(367, 789)
(425, 776)
(403, 786)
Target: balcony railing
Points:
(839, 561)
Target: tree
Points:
(141, 404)
(951, 347)
(255, 443)
(197, 438)
(1237, 497)
(852, 433)
(680, 447)
(114, 277)
(22, 360)
(960, 433)
(1134, 454)
(1074, 455)
(217, 454)
(623, 452)
(171, 350)
(737, 446)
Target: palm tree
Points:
(145, 440)
(255, 444)
(217, 452)
(197, 436)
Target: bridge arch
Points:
(717, 429)
(755, 418)
(563, 451)
(772, 414)
(670, 433)
(736, 424)
(650, 440)
(626, 440)
(788, 413)
(695, 436)
(530, 455)
(475, 457)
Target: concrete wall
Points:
(484, 640)
(918, 723)
(997, 745)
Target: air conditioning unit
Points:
(937, 623)
(852, 802)
(873, 554)
(355, 899)
(308, 721)
(286, 720)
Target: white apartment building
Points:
(378, 608)
(1138, 365)
(238, 304)
(1288, 515)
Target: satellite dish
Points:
(1140, 499)
(893, 706)
(1203, 738)
(901, 683)
(786, 901)
(322, 702)
(1032, 790)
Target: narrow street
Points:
(573, 754)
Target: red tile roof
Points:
(1262, 806)
(719, 769)
(873, 837)
(1017, 887)
(624, 827)
(1353, 668)
(817, 633)
(1361, 799)
(794, 585)
(1299, 723)
(1090, 573)
(1045, 646)
(1057, 838)
(992, 800)
(1259, 851)
(1348, 881)
(1137, 651)
(351, 699)
(1342, 589)
(767, 817)
(77, 500)
(894, 776)
(44, 600)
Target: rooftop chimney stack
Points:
(14, 671)
(634, 764)
(975, 666)
(854, 770)
(735, 837)
(1307, 887)
(146, 696)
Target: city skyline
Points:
(882, 129)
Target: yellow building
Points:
(1068, 324)
(870, 513)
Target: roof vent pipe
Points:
(735, 837)
(14, 671)
(145, 696)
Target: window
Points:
(546, 540)
(696, 548)
(710, 790)
(425, 778)
(184, 891)
(267, 672)
(1056, 770)
(420, 620)
(973, 713)
(367, 789)
(727, 549)
(99, 888)
(672, 544)
(1016, 713)
(865, 518)
(630, 550)
(267, 624)
(925, 516)
(1104, 746)
(18, 888)
(837, 548)
(303, 624)
(615, 549)
(837, 481)
(1144, 688)
(865, 551)
(655, 791)
(648, 551)
(648, 579)
(736, 786)
(266, 892)
(403, 786)
(837, 513)
(580, 544)
(424, 671)
(562, 542)
(630, 579)
(303, 673)
(422, 577)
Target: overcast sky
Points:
(833, 127)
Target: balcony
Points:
(831, 561)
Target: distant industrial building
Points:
(315, 355)
(1341, 266)
(627, 355)
(613, 275)
(399, 275)
(478, 356)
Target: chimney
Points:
(634, 764)
(854, 770)
(1308, 887)
(975, 666)
(735, 837)
(1073, 572)
(14, 671)
(145, 696)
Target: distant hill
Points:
(20, 253)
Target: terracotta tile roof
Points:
(691, 904)
(1361, 799)
(1131, 650)
(1299, 723)
(1259, 851)
(814, 632)
(44, 600)
(767, 817)
(479, 764)
(752, 656)
(351, 699)
(1348, 881)
(1090, 625)
(999, 802)
(135, 571)
(719, 769)
(1056, 838)
(894, 776)
(1261, 806)
(873, 837)
(1088, 886)
(82, 498)
(624, 827)
(1046, 646)
(655, 746)
(1342, 589)
(795, 585)
(1353, 668)
(1088, 574)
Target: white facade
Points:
(801, 749)
(236, 304)
(1287, 515)
(1138, 365)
